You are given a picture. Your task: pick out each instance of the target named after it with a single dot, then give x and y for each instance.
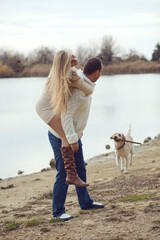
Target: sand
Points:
(132, 202)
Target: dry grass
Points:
(38, 70)
(132, 67)
(6, 71)
(42, 70)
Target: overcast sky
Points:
(29, 24)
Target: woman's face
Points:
(74, 60)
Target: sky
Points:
(26, 25)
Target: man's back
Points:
(75, 119)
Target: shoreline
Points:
(131, 201)
(103, 74)
(100, 158)
(107, 156)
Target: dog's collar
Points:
(121, 146)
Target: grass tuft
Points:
(47, 195)
(157, 222)
(33, 222)
(136, 197)
(12, 226)
(52, 220)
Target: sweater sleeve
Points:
(78, 82)
(67, 117)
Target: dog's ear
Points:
(112, 137)
(123, 137)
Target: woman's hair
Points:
(57, 85)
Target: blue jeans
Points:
(60, 187)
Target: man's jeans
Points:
(60, 187)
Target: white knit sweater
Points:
(75, 119)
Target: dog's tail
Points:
(129, 130)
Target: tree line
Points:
(39, 61)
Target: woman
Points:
(53, 102)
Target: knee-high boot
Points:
(70, 167)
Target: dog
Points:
(124, 150)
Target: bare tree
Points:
(108, 49)
(93, 49)
(133, 55)
(83, 53)
(41, 55)
(12, 59)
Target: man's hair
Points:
(92, 65)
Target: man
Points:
(74, 121)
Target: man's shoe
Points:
(64, 217)
(94, 205)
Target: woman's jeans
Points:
(60, 187)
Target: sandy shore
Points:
(132, 202)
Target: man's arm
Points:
(67, 117)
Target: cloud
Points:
(32, 23)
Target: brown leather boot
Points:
(70, 167)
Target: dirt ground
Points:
(132, 202)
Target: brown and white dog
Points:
(124, 150)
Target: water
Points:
(116, 102)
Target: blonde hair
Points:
(57, 85)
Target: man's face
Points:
(98, 74)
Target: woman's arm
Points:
(81, 84)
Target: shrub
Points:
(6, 71)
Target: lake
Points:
(117, 101)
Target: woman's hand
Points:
(75, 147)
(74, 61)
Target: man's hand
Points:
(75, 147)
